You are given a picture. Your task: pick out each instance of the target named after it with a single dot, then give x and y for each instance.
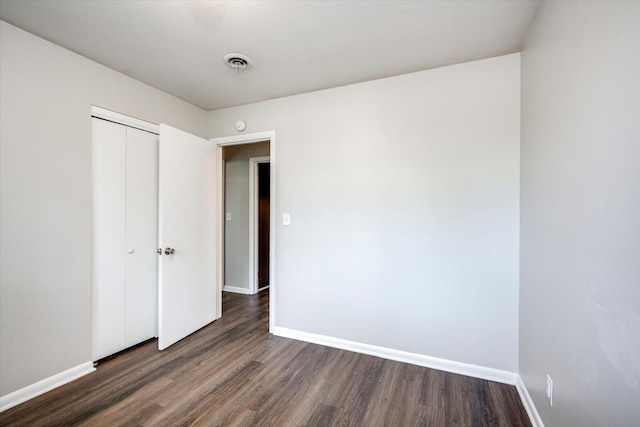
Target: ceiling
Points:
(296, 46)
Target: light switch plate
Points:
(286, 219)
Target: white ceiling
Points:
(296, 46)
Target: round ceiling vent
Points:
(238, 61)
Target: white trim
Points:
(272, 233)
(112, 116)
(527, 402)
(220, 182)
(461, 368)
(36, 389)
(236, 290)
(249, 138)
(253, 221)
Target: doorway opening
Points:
(259, 228)
(246, 205)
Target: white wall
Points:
(403, 194)
(580, 253)
(45, 216)
(236, 200)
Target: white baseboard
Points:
(36, 389)
(527, 402)
(236, 290)
(29, 392)
(467, 369)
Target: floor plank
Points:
(234, 373)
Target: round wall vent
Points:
(238, 61)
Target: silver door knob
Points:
(169, 251)
(130, 250)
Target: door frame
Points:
(253, 221)
(248, 138)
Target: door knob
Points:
(169, 251)
(159, 250)
(130, 250)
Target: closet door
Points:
(141, 267)
(125, 237)
(109, 219)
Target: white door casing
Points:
(187, 297)
(250, 138)
(253, 221)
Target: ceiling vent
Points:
(238, 61)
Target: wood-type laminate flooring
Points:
(234, 373)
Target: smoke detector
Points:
(238, 61)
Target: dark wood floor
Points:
(234, 373)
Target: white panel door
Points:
(109, 188)
(187, 218)
(141, 236)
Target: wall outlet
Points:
(228, 216)
(550, 390)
